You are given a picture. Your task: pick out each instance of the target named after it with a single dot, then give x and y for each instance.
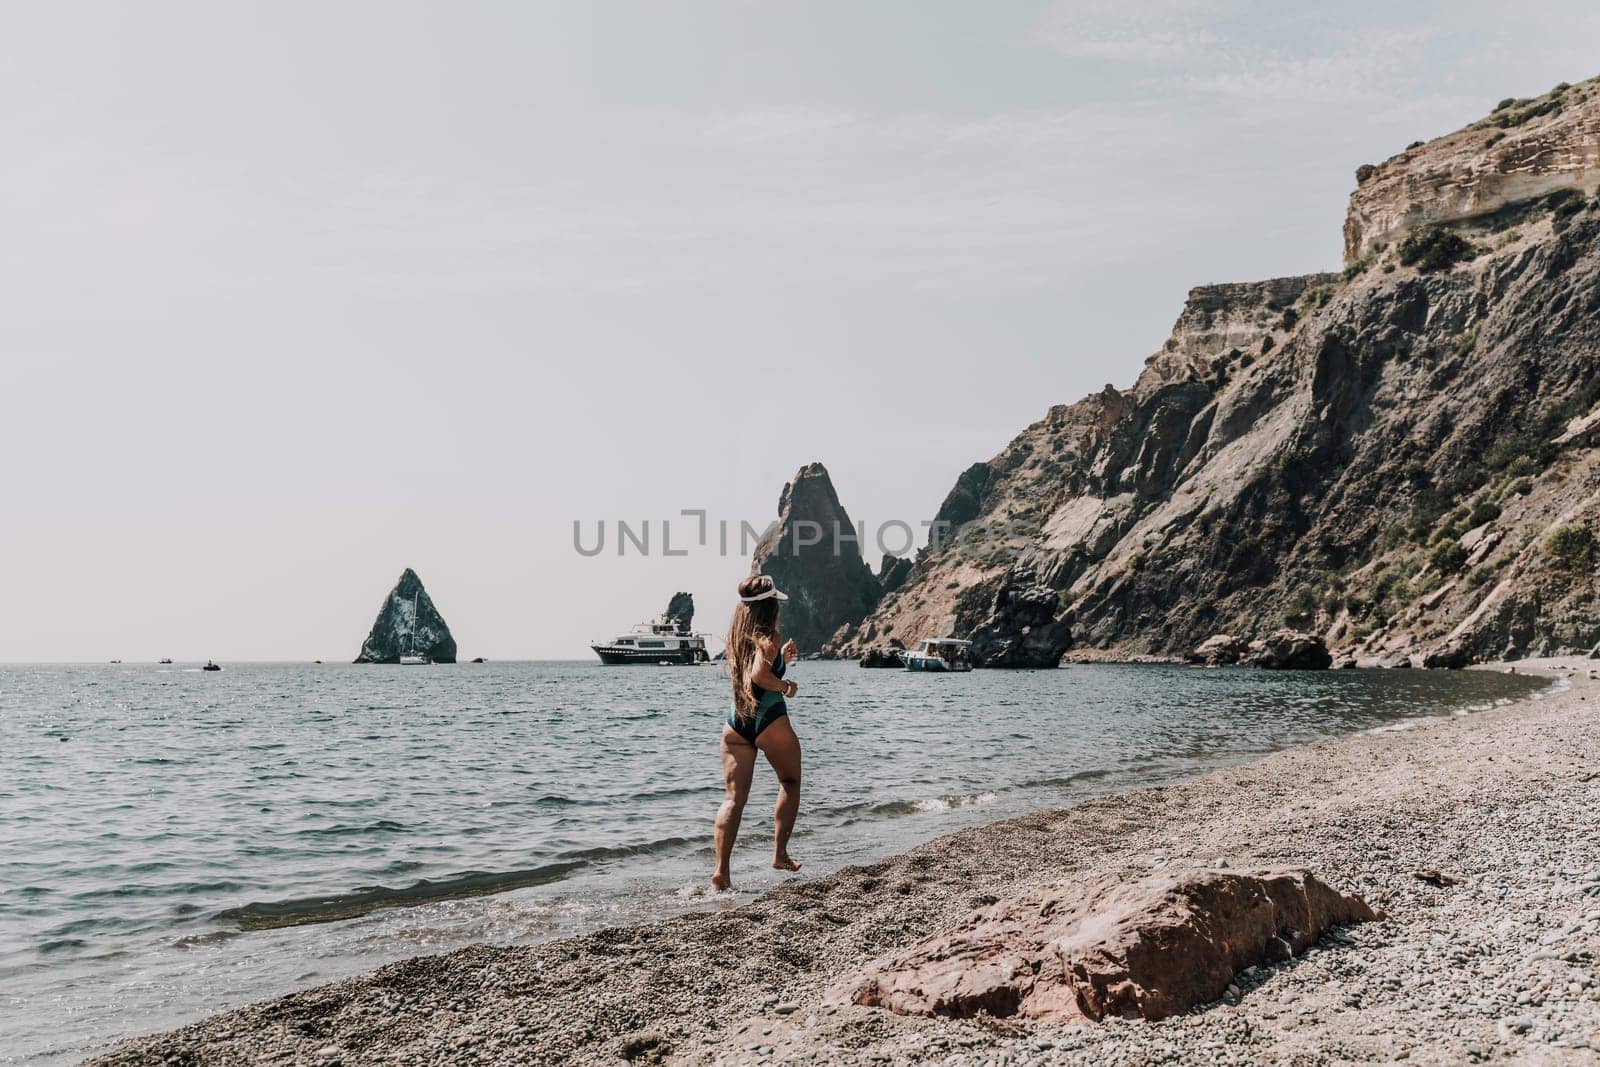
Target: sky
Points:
(295, 295)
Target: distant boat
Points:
(163, 661)
(412, 659)
(657, 642)
(116, 661)
(210, 666)
(940, 655)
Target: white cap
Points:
(772, 593)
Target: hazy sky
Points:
(295, 295)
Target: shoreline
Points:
(1477, 969)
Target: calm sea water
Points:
(175, 842)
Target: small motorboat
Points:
(210, 666)
(164, 662)
(943, 655)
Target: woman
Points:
(757, 656)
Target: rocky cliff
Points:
(813, 554)
(408, 610)
(1400, 458)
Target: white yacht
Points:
(656, 642)
(943, 654)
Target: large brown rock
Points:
(1146, 949)
(884, 656)
(1290, 650)
(1219, 650)
(1450, 657)
(1022, 628)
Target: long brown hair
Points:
(751, 619)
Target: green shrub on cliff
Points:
(1448, 557)
(1523, 111)
(1435, 248)
(1571, 546)
(1563, 204)
(1356, 269)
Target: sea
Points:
(176, 842)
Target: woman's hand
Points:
(790, 689)
(791, 652)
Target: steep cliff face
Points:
(1113, 445)
(1401, 459)
(408, 612)
(813, 554)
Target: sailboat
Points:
(412, 659)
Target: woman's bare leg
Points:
(738, 766)
(782, 749)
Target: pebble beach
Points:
(1476, 835)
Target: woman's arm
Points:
(760, 671)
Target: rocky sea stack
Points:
(680, 612)
(812, 554)
(408, 610)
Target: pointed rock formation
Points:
(408, 610)
(680, 612)
(813, 553)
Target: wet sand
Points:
(1499, 966)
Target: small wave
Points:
(1064, 780)
(382, 826)
(269, 915)
(648, 848)
(211, 937)
(673, 792)
(1404, 724)
(893, 808)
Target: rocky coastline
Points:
(1483, 950)
(1398, 458)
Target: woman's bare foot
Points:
(721, 882)
(784, 863)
